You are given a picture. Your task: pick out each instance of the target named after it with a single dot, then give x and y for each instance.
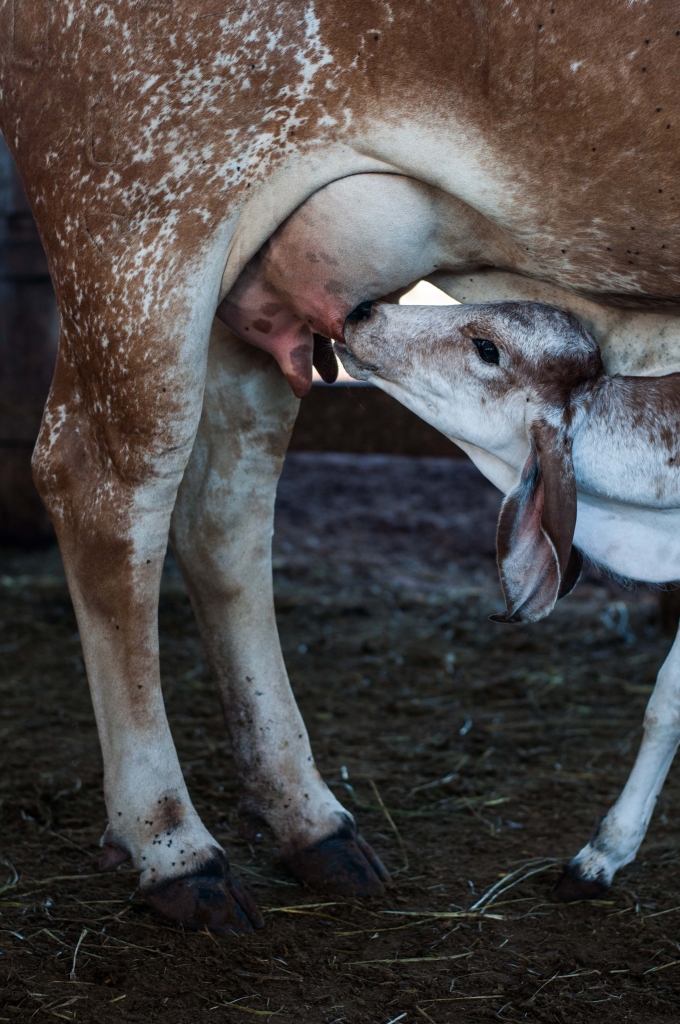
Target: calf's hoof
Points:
(571, 887)
(342, 863)
(210, 897)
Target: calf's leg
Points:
(221, 532)
(618, 837)
(115, 439)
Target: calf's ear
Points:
(536, 560)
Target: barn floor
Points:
(467, 750)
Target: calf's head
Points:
(506, 379)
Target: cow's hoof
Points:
(210, 897)
(571, 886)
(343, 863)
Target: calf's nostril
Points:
(362, 312)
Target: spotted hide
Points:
(287, 162)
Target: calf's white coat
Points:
(622, 435)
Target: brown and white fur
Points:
(590, 465)
(163, 147)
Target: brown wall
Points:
(361, 418)
(28, 342)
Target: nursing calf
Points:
(590, 466)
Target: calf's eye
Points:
(487, 350)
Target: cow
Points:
(287, 163)
(589, 464)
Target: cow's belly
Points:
(360, 238)
(367, 235)
(636, 543)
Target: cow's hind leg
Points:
(221, 532)
(116, 436)
(618, 837)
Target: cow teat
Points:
(352, 360)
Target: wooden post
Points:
(29, 330)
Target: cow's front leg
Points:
(618, 837)
(221, 532)
(115, 440)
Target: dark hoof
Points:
(210, 897)
(571, 887)
(343, 864)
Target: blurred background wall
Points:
(29, 329)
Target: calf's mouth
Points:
(355, 367)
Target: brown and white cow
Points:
(509, 150)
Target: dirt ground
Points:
(472, 754)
